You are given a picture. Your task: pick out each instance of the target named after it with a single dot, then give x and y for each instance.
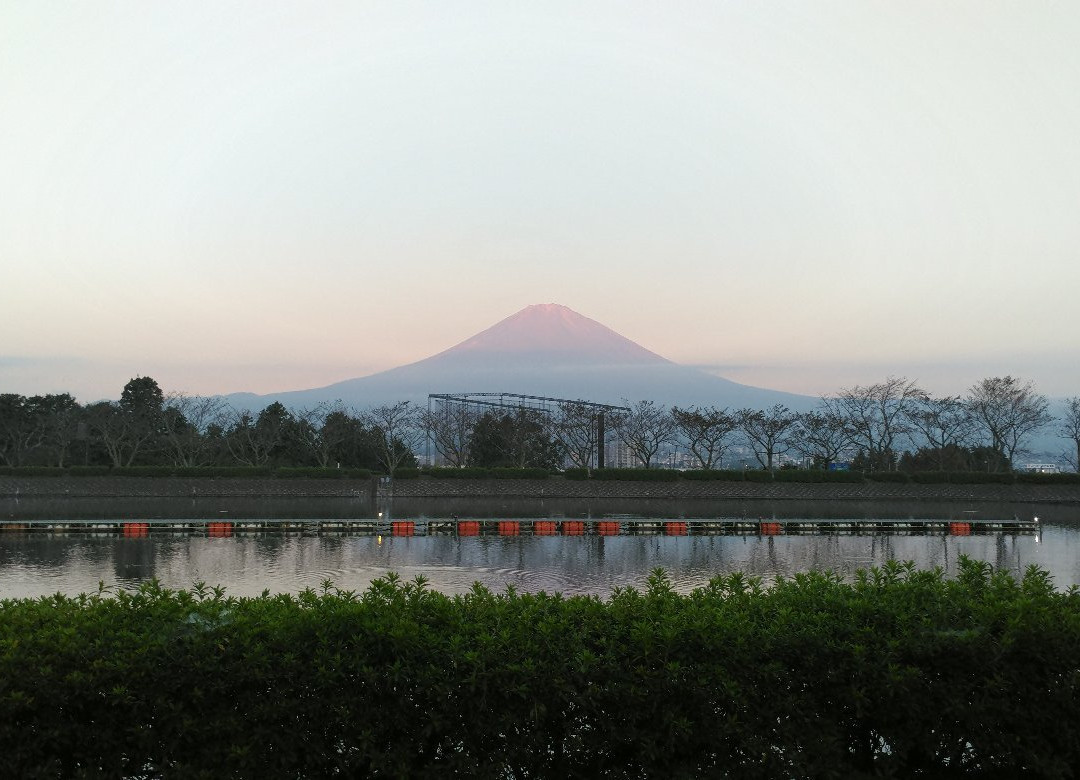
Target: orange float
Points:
(468, 528)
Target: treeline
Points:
(147, 428)
(900, 673)
(890, 426)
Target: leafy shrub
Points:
(301, 472)
(576, 474)
(887, 476)
(143, 471)
(899, 673)
(511, 473)
(470, 472)
(981, 478)
(88, 471)
(854, 477)
(636, 475)
(930, 477)
(757, 475)
(407, 473)
(1030, 478)
(236, 471)
(225, 471)
(798, 475)
(712, 475)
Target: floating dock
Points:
(604, 526)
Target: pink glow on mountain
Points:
(550, 328)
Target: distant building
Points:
(1041, 468)
(618, 456)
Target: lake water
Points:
(35, 564)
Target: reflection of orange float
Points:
(509, 528)
(960, 529)
(675, 529)
(770, 529)
(607, 528)
(402, 527)
(573, 528)
(134, 530)
(468, 528)
(543, 528)
(219, 530)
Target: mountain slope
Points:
(547, 350)
(553, 334)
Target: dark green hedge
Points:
(1048, 479)
(901, 673)
(639, 475)
(841, 476)
(474, 472)
(712, 475)
(636, 475)
(189, 471)
(318, 473)
(887, 476)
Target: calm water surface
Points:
(41, 564)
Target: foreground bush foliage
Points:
(899, 673)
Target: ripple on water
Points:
(34, 566)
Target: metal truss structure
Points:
(451, 403)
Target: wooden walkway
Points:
(604, 526)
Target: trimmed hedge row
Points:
(630, 475)
(474, 472)
(185, 471)
(818, 476)
(899, 673)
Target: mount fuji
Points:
(546, 350)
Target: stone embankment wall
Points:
(176, 487)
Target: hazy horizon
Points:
(266, 197)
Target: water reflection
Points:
(41, 564)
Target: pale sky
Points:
(266, 196)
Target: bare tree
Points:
(450, 427)
(644, 430)
(399, 432)
(767, 432)
(879, 415)
(944, 423)
(185, 421)
(575, 429)
(242, 441)
(310, 432)
(1007, 411)
(112, 429)
(822, 435)
(255, 441)
(1070, 429)
(705, 432)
